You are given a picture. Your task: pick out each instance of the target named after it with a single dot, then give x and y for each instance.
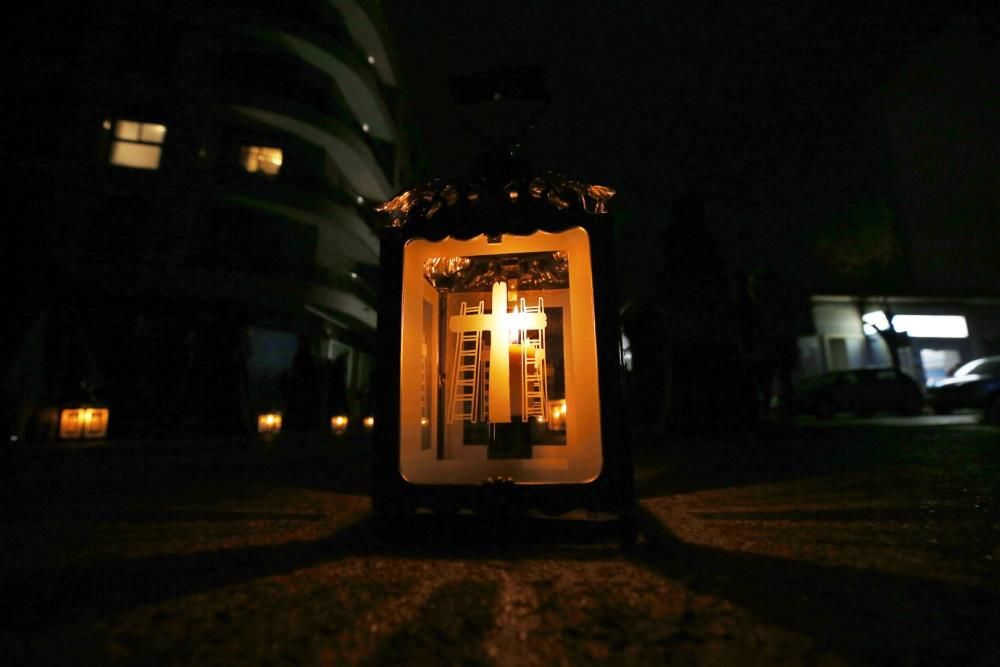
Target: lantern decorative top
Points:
(425, 201)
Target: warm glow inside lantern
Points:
(498, 336)
(83, 423)
(557, 415)
(269, 422)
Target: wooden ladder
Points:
(465, 386)
(534, 399)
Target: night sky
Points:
(773, 112)
(776, 113)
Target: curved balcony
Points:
(356, 83)
(365, 31)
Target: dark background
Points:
(781, 116)
(786, 118)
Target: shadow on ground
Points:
(865, 616)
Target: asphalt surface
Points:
(841, 542)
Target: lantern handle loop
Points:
(483, 103)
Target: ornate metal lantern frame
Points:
(477, 213)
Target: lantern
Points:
(269, 422)
(369, 423)
(499, 349)
(84, 422)
(338, 424)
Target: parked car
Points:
(973, 385)
(862, 391)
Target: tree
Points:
(862, 247)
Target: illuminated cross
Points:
(499, 322)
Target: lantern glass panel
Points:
(498, 360)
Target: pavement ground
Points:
(842, 542)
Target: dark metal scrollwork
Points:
(560, 192)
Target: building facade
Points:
(203, 218)
(942, 333)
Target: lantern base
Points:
(501, 519)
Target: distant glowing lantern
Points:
(86, 423)
(369, 423)
(499, 310)
(269, 422)
(338, 424)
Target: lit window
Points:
(261, 159)
(932, 326)
(137, 145)
(919, 326)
